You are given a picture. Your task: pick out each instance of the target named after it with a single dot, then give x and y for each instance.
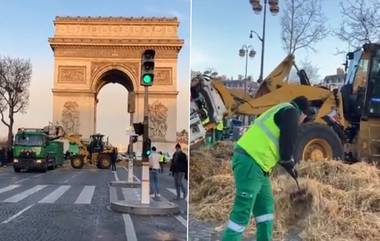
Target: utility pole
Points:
(147, 76)
(132, 139)
(145, 198)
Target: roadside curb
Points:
(132, 204)
(125, 184)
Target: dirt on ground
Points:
(342, 201)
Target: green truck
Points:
(34, 150)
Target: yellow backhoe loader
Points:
(346, 123)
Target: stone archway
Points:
(90, 52)
(113, 74)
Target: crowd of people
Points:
(178, 169)
(157, 161)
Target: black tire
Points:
(53, 165)
(318, 133)
(104, 161)
(44, 169)
(77, 162)
(17, 169)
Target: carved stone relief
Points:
(72, 74)
(158, 114)
(116, 52)
(183, 137)
(163, 76)
(132, 67)
(70, 117)
(116, 30)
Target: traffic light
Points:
(147, 148)
(147, 67)
(133, 138)
(139, 128)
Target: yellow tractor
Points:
(95, 152)
(346, 123)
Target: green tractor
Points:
(96, 152)
(33, 149)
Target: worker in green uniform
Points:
(162, 162)
(268, 141)
(219, 131)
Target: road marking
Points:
(18, 197)
(181, 220)
(38, 175)
(17, 214)
(85, 196)
(130, 232)
(8, 188)
(116, 177)
(21, 180)
(57, 193)
(137, 179)
(68, 179)
(172, 190)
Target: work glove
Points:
(289, 166)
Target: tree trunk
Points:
(10, 132)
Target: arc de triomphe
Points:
(90, 52)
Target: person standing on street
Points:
(113, 160)
(154, 169)
(2, 156)
(219, 131)
(179, 168)
(268, 142)
(162, 162)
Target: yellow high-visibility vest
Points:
(162, 158)
(220, 126)
(261, 141)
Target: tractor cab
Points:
(361, 89)
(96, 143)
(361, 99)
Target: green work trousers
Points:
(218, 135)
(254, 198)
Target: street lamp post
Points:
(246, 51)
(257, 8)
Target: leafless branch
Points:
(360, 22)
(302, 25)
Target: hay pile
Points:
(343, 201)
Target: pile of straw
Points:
(342, 201)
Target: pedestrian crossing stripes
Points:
(85, 196)
(20, 196)
(57, 193)
(47, 194)
(10, 187)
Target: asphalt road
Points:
(69, 204)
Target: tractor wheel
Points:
(44, 168)
(104, 161)
(317, 142)
(77, 162)
(17, 169)
(53, 165)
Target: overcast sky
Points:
(25, 27)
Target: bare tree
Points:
(15, 75)
(302, 24)
(360, 22)
(311, 70)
